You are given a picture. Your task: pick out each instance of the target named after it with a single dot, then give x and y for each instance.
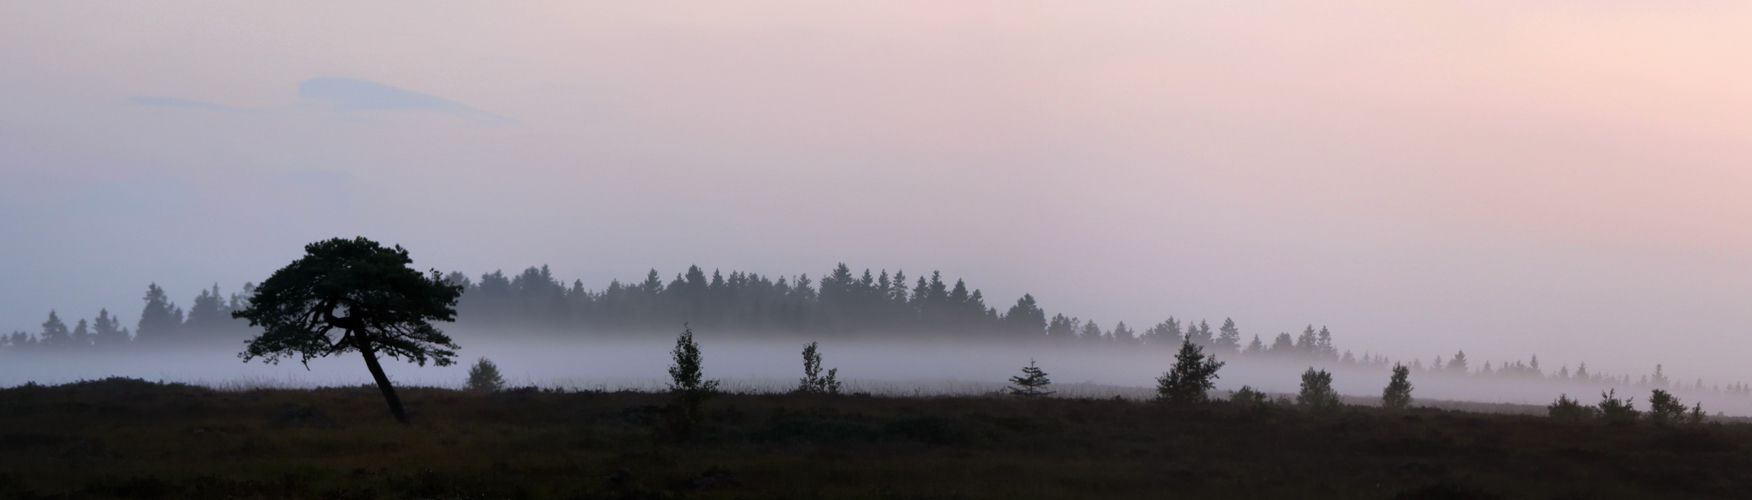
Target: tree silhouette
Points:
(55, 332)
(1193, 373)
(1617, 411)
(1570, 410)
(1317, 392)
(813, 382)
(160, 319)
(1664, 408)
(1031, 383)
(366, 292)
(1458, 364)
(1397, 395)
(1229, 336)
(106, 330)
(484, 376)
(688, 384)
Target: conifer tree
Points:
(1123, 335)
(1026, 317)
(1316, 391)
(1165, 334)
(81, 335)
(1308, 343)
(1061, 328)
(1200, 334)
(1091, 333)
(1032, 383)
(55, 333)
(1397, 395)
(1458, 364)
(107, 330)
(1256, 346)
(1229, 337)
(160, 319)
(1193, 373)
(1323, 346)
(484, 376)
(1664, 408)
(21, 341)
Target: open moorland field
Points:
(122, 438)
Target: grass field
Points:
(121, 438)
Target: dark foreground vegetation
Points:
(122, 438)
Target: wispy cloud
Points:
(349, 95)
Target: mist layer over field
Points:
(892, 367)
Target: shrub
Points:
(1570, 410)
(1249, 397)
(1664, 408)
(1317, 391)
(813, 382)
(1617, 411)
(484, 376)
(1031, 383)
(1193, 373)
(1397, 395)
(1695, 417)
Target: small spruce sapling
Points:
(1193, 373)
(1397, 395)
(688, 385)
(1317, 391)
(1031, 383)
(484, 376)
(813, 382)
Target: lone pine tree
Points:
(1193, 373)
(1397, 395)
(484, 376)
(1031, 383)
(362, 290)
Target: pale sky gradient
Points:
(1562, 178)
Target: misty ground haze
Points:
(889, 367)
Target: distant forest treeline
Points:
(844, 304)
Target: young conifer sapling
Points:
(1031, 383)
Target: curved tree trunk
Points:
(395, 406)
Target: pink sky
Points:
(1559, 178)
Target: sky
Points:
(1566, 179)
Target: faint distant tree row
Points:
(162, 322)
